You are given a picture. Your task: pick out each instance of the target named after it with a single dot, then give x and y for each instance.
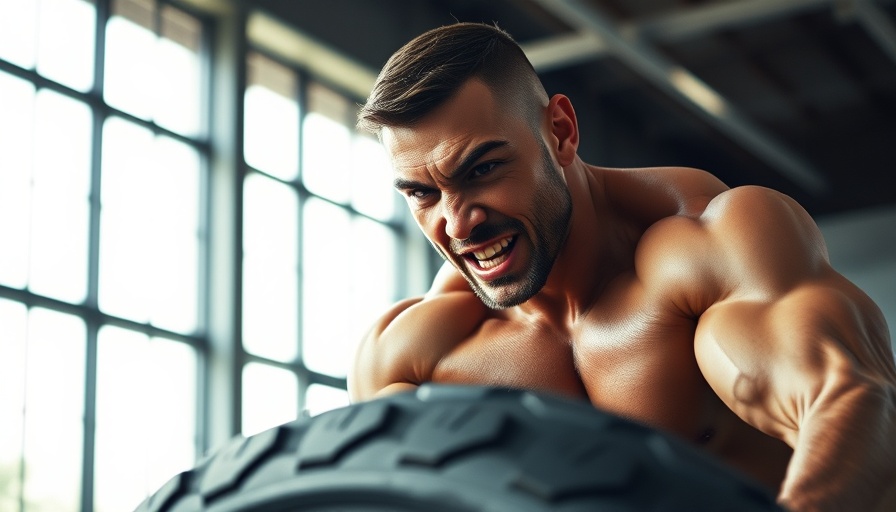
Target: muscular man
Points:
(658, 294)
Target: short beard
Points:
(550, 232)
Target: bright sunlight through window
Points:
(165, 285)
(100, 267)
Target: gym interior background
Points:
(193, 236)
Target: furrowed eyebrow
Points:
(403, 184)
(468, 160)
(474, 155)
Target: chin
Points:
(503, 299)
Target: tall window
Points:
(102, 158)
(321, 238)
(114, 189)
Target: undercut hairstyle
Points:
(428, 70)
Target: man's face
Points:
(485, 190)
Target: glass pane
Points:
(270, 280)
(60, 206)
(154, 77)
(326, 264)
(372, 191)
(173, 261)
(320, 399)
(326, 146)
(130, 74)
(146, 415)
(54, 404)
(149, 227)
(178, 104)
(16, 146)
(270, 220)
(373, 279)
(270, 310)
(18, 31)
(270, 397)
(66, 42)
(62, 155)
(13, 321)
(271, 124)
(344, 288)
(125, 217)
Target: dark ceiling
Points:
(800, 95)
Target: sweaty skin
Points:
(708, 312)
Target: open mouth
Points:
(493, 255)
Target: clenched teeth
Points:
(495, 248)
(494, 262)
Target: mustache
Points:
(483, 233)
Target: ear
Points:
(564, 129)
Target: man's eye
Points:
(483, 169)
(419, 194)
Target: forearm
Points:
(845, 453)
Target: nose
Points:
(461, 219)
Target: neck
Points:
(591, 255)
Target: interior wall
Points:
(862, 247)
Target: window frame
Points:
(398, 225)
(225, 45)
(88, 309)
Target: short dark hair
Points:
(429, 69)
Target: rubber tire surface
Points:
(460, 449)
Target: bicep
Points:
(785, 327)
(772, 359)
(376, 366)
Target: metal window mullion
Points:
(201, 145)
(26, 74)
(157, 19)
(92, 315)
(401, 265)
(302, 372)
(242, 172)
(88, 456)
(94, 99)
(201, 440)
(327, 380)
(395, 224)
(221, 407)
(42, 82)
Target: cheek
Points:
(511, 199)
(428, 224)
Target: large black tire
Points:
(460, 449)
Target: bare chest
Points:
(638, 364)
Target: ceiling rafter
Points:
(683, 87)
(877, 23)
(708, 18)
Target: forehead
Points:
(472, 116)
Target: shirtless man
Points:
(658, 294)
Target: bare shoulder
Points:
(765, 230)
(448, 279)
(650, 194)
(747, 239)
(404, 346)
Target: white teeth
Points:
(488, 252)
(487, 264)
